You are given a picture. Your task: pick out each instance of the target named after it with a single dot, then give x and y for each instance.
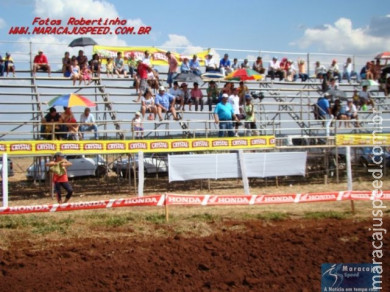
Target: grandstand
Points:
(285, 112)
(287, 108)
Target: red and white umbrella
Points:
(384, 55)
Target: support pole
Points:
(243, 172)
(141, 174)
(349, 174)
(5, 180)
(166, 208)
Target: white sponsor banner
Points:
(217, 166)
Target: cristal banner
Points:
(133, 146)
(363, 139)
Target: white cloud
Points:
(2, 23)
(135, 22)
(181, 44)
(341, 37)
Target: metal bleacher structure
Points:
(287, 108)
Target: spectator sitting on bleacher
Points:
(245, 64)
(356, 98)
(41, 63)
(165, 103)
(227, 88)
(225, 65)
(185, 66)
(367, 72)
(82, 59)
(110, 68)
(48, 128)
(339, 111)
(348, 71)
(332, 89)
(178, 94)
(275, 69)
(302, 70)
(1, 66)
(258, 66)
(352, 112)
(196, 97)
(9, 64)
(320, 71)
(334, 71)
(195, 66)
(211, 65)
(365, 98)
(87, 123)
(148, 105)
(291, 71)
(66, 64)
(69, 124)
(86, 74)
(153, 79)
(95, 65)
(235, 64)
(186, 94)
(132, 64)
(212, 94)
(119, 65)
(137, 126)
(242, 91)
(75, 72)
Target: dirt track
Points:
(242, 256)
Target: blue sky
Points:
(337, 27)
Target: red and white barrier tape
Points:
(201, 200)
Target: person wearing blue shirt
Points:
(185, 67)
(223, 115)
(195, 66)
(165, 102)
(225, 65)
(325, 112)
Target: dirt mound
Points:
(241, 256)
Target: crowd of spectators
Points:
(156, 100)
(64, 126)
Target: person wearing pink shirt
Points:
(196, 97)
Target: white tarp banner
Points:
(216, 166)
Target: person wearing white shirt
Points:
(234, 100)
(178, 94)
(87, 121)
(348, 71)
(274, 69)
(210, 63)
(333, 70)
